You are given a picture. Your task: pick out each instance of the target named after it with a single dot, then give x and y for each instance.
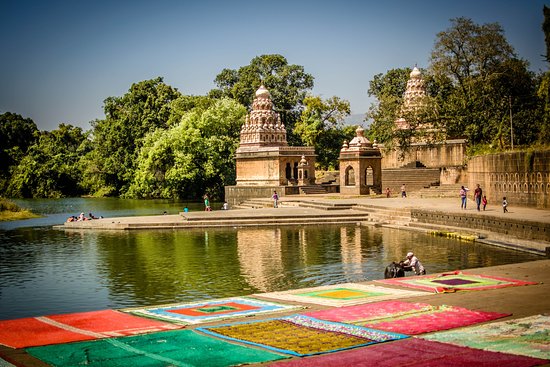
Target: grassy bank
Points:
(11, 211)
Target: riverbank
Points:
(11, 211)
(523, 229)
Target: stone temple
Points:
(264, 160)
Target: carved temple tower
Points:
(264, 161)
(414, 97)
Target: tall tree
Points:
(488, 83)
(118, 138)
(321, 125)
(51, 167)
(17, 134)
(288, 85)
(193, 157)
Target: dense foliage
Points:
(192, 157)
(17, 134)
(321, 125)
(52, 167)
(119, 137)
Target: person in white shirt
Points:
(413, 264)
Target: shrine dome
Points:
(262, 92)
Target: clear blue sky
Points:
(60, 59)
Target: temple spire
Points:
(263, 126)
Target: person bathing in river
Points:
(411, 263)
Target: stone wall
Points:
(522, 177)
(451, 153)
(506, 227)
(235, 195)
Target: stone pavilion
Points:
(360, 166)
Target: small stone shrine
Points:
(360, 166)
(264, 161)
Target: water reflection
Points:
(46, 271)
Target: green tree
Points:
(118, 138)
(51, 167)
(543, 93)
(193, 157)
(17, 134)
(321, 125)
(488, 81)
(288, 85)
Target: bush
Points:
(7, 205)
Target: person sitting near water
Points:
(411, 263)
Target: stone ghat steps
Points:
(348, 218)
(275, 217)
(325, 205)
(414, 178)
(383, 214)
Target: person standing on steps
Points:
(206, 203)
(275, 198)
(403, 191)
(504, 205)
(477, 196)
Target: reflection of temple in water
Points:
(350, 248)
(260, 256)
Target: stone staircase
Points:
(414, 179)
(380, 214)
(255, 204)
(325, 205)
(273, 219)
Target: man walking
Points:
(477, 196)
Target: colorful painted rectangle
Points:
(300, 335)
(415, 352)
(405, 317)
(528, 336)
(207, 311)
(184, 348)
(342, 294)
(454, 281)
(34, 331)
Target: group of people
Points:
(480, 199)
(82, 217)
